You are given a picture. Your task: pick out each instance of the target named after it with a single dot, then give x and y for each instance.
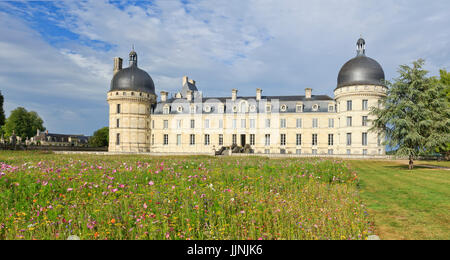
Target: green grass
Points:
(48, 196)
(406, 204)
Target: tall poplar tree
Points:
(414, 116)
(2, 112)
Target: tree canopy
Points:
(415, 114)
(100, 138)
(23, 123)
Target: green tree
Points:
(2, 112)
(444, 79)
(23, 123)
(100, 138)
(414, 116)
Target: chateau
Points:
(188, 122)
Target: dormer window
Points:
(283, 108)
(268, 108)
(315, 107)
(180, 109)
(166, 110)
(330, 108)
(299, 108)
(207, 108)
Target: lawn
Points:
(406, 204)
(48, 196)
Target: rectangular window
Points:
(299, 108)
(330, 151)
(220, 139)
(298, 140)
(364, 151)
(178, 139)
(243, 123)
(349, 121)
(364, 139)
(349, 105)
(179, 124)
(117, 139)
(283, 123)
(299, 123)
(314, 151)
(192, 139)
(266, 151)
(330, 108)
(206, 123)
(166, 124)
(234, 124)
(298, 151)
(267, 139)
(331, 122)
(330, 139)
(268, 108)
(283, 139)
(234, 139)
(118, 123)
(118, 108)
(153, 124)
(315, 123)
(349, 152)
(364, 120)
(153, 139)
(365, 105)
(349, 139)
(267, 123)
(192, 123)
(221, 123)
(252, 139)
(379, 140)
(252, 123)
(206, 139)
(166, 139)
(314, 139)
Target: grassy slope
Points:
(406, 204)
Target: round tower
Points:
(130, 99)
(360, 85)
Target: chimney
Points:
(185, 80)
(258, 94)
(117, 64)
(233, 94)
(164, 96)
(308, 92)
(189, 95)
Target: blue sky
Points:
(56, 57)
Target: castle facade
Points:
(188, 122)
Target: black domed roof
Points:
(360, 70)
(133, 78)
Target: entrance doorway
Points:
(242, 140)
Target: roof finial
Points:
(132, 47)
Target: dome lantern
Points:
(133, 57)
(361, 47)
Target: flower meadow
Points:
(53, 196)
